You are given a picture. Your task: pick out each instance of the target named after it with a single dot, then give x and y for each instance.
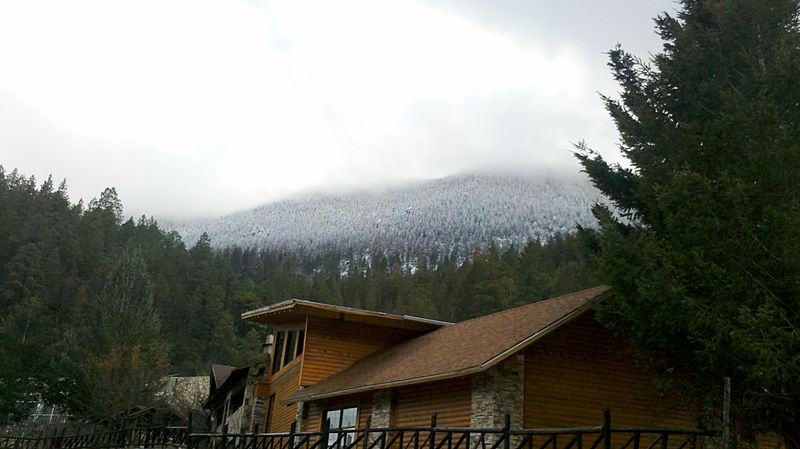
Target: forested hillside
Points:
(448, 216)
(87, 297)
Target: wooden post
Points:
(224, 441)
(433, 432)
(607, 428)
(726, 413)
(507, 431)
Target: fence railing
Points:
(603, 436)
(144, 437)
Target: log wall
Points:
(572, 374)
(412, 406)
(332, 345)
(286, 383)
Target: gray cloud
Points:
(202, 109)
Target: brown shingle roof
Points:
(456, 350)
(219, 374)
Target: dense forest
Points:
(88, 295)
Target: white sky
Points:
(203, 107)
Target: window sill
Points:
(286, 368)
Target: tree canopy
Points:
(704, 250)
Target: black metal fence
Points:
(144, 437)
(603, 436)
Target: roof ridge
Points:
(603, 287)
(292, 302)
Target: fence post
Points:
(224, 441)
(326, 426)
(366, 432)
(433, 432)
(507, 431)
(292, 431)
(60, 440)
(607, 428)
(189, 432)
(726, 414)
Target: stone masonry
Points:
(301, 416)
(497, 391)
(381, 409)
(381, 417)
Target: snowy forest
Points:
(446, 217)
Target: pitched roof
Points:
(294, 310)
(451, 351)
(219, 373)
(232, 376)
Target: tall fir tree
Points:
(122, 357)
(705, 257)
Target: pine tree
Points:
(121, 356)
(705, 260)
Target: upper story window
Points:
(288, 346)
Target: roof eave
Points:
(457, 373)
(253, 315)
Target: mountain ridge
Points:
(450, 215)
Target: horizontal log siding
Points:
(333, 345)
(316, 409)
(572, 374)
(412, 406)
(283, 386)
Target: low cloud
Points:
(203, 108)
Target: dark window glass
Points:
(277, 352)
(301, 339)
(271, 402)
(291, 339)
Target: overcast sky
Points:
(198, 108)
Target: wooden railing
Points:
(603, 436)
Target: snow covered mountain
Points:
(450, 215)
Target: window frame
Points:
(335, 434)
(287, 337)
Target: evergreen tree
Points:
(121, 356)
(705, 260)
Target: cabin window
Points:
(288, 346)
(277, 352)
(270, 407)
(341, 423)
(301, 339)
(291, 340)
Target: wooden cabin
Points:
(548, 364)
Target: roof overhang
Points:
(296, 310)
(299, 396)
